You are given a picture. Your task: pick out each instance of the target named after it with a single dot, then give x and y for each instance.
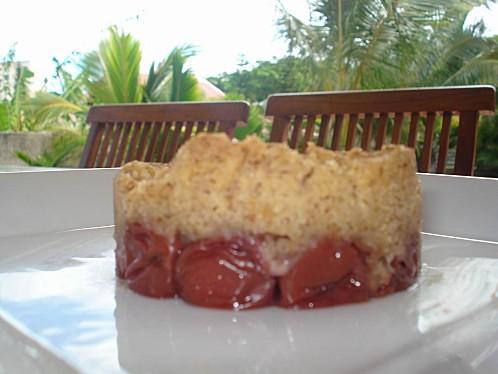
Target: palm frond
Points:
(171, 80)
(374, 43)
(112, 73)
(155, 89)
(480, 70)
(182, 84)
(66, 144)
(49, 109)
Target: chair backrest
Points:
(153, 132)
(368, 116)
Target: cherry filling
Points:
(229, 273)
(330, 273)
(405, 268)
(149, 262)
(224, 273)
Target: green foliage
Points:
(366, 44)
(14, 83)
(183, 83)
(256, 122)
(266, 78)
(108, 75)
(112, 73)
(171, 80)
(4, 117)
(50, 110)
(454, 56)
(21, 112)
(156, 89)
(487, 145)
(72, 88)
(64, 109)
(65, 151)
(255, 84)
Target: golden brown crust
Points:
(214, 187)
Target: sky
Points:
(221, 30)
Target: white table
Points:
(61, 309)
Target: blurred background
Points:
(57, 58)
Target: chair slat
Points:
(296, 132)
(324, 130)
(132, 147)
(163, 145)
(228, 127)
(443, 143)
(280, 129)
(310, 128)
(466, 143)
(97, 136)
(175, 141)
(201, 125)
(123, 143)
(116, 138)
(336, 136)
(353, 121)
(154, 137)
(428, 137)
(109, 129)
(142, 143)
(398, 121)
(367, 131)
(412, 134)
(188, 131)
(212, 126)
(381, 131)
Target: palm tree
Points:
(112, 73)
(171, 80)
(457, 54)
(353, 44)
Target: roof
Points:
(209, 91)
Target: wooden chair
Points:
(368, 115)
(153, 132)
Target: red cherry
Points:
(330, 273)
(150, 261)
(224, 273)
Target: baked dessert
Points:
(250, 224)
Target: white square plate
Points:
(63, 310)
